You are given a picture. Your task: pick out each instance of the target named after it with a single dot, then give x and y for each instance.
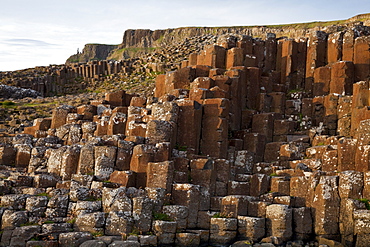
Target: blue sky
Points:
(39, 32)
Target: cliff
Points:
(92, 52)
(140, 41)
(160, 38)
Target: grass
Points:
(71, 221)
(46, 104)
(29, 224)
(366, 201)
(219, 215)
(134, 232)
(302, 25)
(44, 194)
(160, 39)
(98, 234)
(129, 51)
(48, 222)
(8, 104)
(93, 199)
(161, 216)
(181, 148)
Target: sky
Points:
(39, 32)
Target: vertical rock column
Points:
(279, 221)
(189, 125)
(316, 56)
(215, 127)
(361, 58)
(335, 44)
(326, 207)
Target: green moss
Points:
(134, 232)
(161, 216)
(366, 201)
(93, 199)
(71, 221)
(219, 215)
(7, 103)
(98, 234)
(44, 194)
(29, 224)
(160, 38)
(180, 147)
(48, 222)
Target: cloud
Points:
(5, 53)
(27, 42)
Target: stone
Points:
(316, 53)
(93, 243)
(326, 202)
(223, 230)
(116, 98)
(177, 213)
(23, 155)
(124, 178)
(232, 206)
(342, 78)
(14, 201)
(69, 162)
(158, 131)
(187, 239)
(51, 228)
(118, 223)
(36, 205)
(142, 213)
(7, 155)
(251, 228)
(22, 234)
(73, 239)
(361, 58)
(44, 181)
(117, 123)
(90, 222)
(187, 195)
(189, 125)
(160, 175)
(148, 240)
(264, 124)
(350, 184)
(279, 221)
(60, 115)
(346, 154)
(302, 222)
(322, 78)
(105, 157)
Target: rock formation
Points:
(137, 41)
(92, 52)
(251, 139)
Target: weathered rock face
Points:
(273, 152)
(149, 38)
(17, 93)
(92, 52)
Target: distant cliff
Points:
(137, 41)
(92, 52)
